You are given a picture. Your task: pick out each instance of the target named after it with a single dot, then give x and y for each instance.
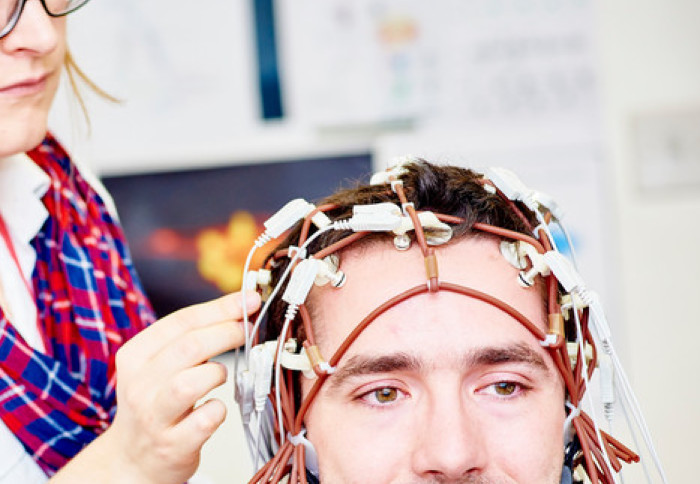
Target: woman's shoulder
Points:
(53, 157)
(90, 176)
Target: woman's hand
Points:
(157, 434)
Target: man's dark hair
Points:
(448, 190)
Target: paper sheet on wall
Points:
(185, 73)
(470, 61)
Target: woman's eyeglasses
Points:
(11, 10)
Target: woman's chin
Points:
(21, 137)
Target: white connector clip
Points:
(287, 216)
(257, 279)
(261, 363)
(436, 232)
(517, 254)
(290, 359)
(311, 459)
(377, 217)
(329, 272)
(564, 271)
(296, 252)
(513, 188)
(301, 281)
(573, 283)
(607, 386)
(599, 322)
(321, 220)
(397, 167)
(245, 394)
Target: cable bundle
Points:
(267, 387)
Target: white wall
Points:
(650, 61)
(649, 54)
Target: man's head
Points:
(440, 388)
(440, 355)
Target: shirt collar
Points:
(22, 186)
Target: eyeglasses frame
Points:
(14, 19)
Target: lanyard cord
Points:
(5, 234)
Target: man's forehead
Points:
(378, 272)
(473, 261)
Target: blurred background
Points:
(232, 107)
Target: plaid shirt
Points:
(89, 303)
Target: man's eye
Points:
(386, 395)
(505, 388)
(383, 396)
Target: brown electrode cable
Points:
(593, 455)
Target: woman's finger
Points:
(199, 424)
(176, 398)
(163, 332)
(192, 349)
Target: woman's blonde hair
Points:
(75, 76)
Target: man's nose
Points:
(449, 442)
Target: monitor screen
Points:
(190, 230)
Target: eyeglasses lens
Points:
(62, 7)
(8, 12)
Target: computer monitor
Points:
(190, 230)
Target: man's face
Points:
(442, 388)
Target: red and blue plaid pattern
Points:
(89, 303)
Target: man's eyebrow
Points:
(360, 365)
(495, 355)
